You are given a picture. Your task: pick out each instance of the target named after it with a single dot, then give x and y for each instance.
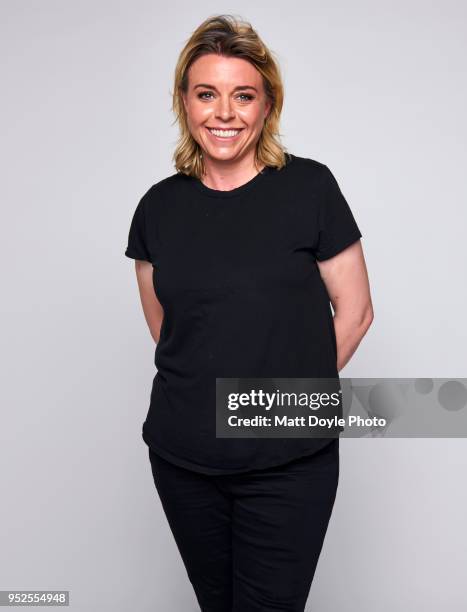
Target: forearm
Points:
(349, 333)
(154, 320)
(152, 308)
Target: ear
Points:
(184, 100)
(267, 109)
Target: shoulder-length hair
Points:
(228, 36)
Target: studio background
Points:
(377, 92)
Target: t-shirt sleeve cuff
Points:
(336, 248)
(132, 254)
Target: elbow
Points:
(358, 319)
(367, 317)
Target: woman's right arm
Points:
(152, 308)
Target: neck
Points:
(227, 175)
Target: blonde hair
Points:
(228, 36)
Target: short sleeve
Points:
(337, 228)
(137, 246)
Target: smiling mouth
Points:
(224, 133)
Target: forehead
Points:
(218, 70)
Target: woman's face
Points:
(225, 93)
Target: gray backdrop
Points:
(377, 92)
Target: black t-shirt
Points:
(236, 274)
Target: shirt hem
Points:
(211, 471)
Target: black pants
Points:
(250, 542)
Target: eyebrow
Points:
(239, 88)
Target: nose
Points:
(224, 109)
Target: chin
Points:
(227, 156)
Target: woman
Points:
(238, 256)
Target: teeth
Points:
(225, 133)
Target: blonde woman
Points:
(239, 255)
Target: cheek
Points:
(200, 111)
(252, 116)
(195, 114)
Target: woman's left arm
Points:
(346, 279)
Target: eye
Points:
(245, 97)
(248, 97)
(204, 93)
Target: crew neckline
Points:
(230, 193)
